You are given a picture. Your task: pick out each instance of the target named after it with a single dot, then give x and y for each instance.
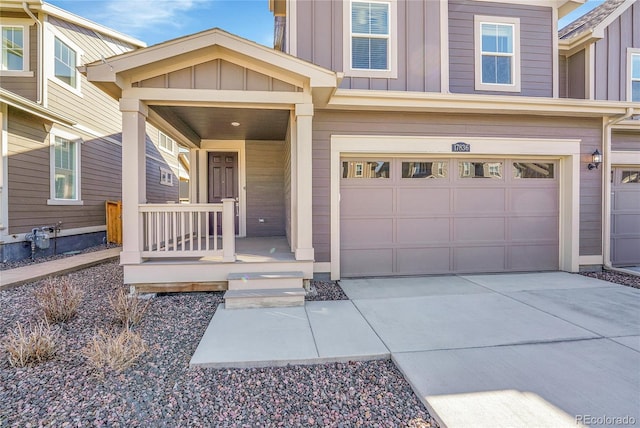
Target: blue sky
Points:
(155, 21)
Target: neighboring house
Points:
(600, 60)
(61, 136)
(388, 137)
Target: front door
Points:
(223, 181)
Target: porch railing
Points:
(188, 230)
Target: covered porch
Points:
(245, 113)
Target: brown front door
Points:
(223, 181)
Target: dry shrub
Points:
(128, 309)
(59, 299)
(114, 351)
(31, 345)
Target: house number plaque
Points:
(460, 147)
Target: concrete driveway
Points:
(540, 349)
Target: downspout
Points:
(39, 51)
(606, 220)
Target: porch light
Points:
(235, 123)
(596, 159)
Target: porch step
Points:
(269, 298)
(265, 280)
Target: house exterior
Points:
(61, 136)
(383, 137)
(600, 56)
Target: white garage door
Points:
(403, 216)
(625, 217)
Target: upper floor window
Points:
(166, 143)
(497, 53)
(634, 72)
(65, 168)
(14, 59)
(370, 49)
(65, 63)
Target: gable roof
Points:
(596, 19)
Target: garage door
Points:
(403, 216)
(625, 217)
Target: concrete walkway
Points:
(544, 349)
(18, 276)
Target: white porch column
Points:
(134, 182)
(229, 230)
(303, 189)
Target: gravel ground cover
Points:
(162, 391)
(28, 261)
(325, 290)
(616, 277)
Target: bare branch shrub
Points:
(59, 299)
(108, 350)
(128, 309)
(31, 345)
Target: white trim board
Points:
(567, 151)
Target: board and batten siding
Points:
(320, 37)
(611, 78)
(29, 178)
(265, 188)
(625, 141)
(536, 46)
(328, 123)
(25, 86)
(576, 75)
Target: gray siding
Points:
(562, 72)
(320, 36)
(576, 69)
(611, 55)
(625, 141)
(157, 158)
(536, 44)
(326, 124)
(265, 188)
(29, 179)
(25, 86)
(287, 184)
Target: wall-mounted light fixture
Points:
(596, 159)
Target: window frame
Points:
(631, 52)
(514, 22)
(52, 35)
(77, 141)
(392, 59)
(167, 138)
(26, 58)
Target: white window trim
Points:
(26, 30)
(630, 53)
(51, 34)
(478, 20)
(173, 143)
(392, 71)
(56, 132)
(168, 174)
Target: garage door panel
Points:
(479, 200)
(534, 200)
(533, 228)
(366, 232)
(366, 201)
(366, 262)
(625, 217)
(417, 261)
(423, 201)
(534, 257)
(627, 223)
(479, 259)
(422, 230)
(627, 200)
(479, 229)
(625, 250)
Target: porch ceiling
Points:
(214, 123)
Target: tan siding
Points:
(29, 180)
(287, 184)
(327, 123)
(320, 40)
(535, 42)
(625, 141)
(611, 55)
(265, 188)
(26, 86)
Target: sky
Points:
(155, 21)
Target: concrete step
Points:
(265, 280)
(269, 298)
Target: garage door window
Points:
(365, 169)
(630, 177)
(480, 170)
(533, 170)
(424, 169)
